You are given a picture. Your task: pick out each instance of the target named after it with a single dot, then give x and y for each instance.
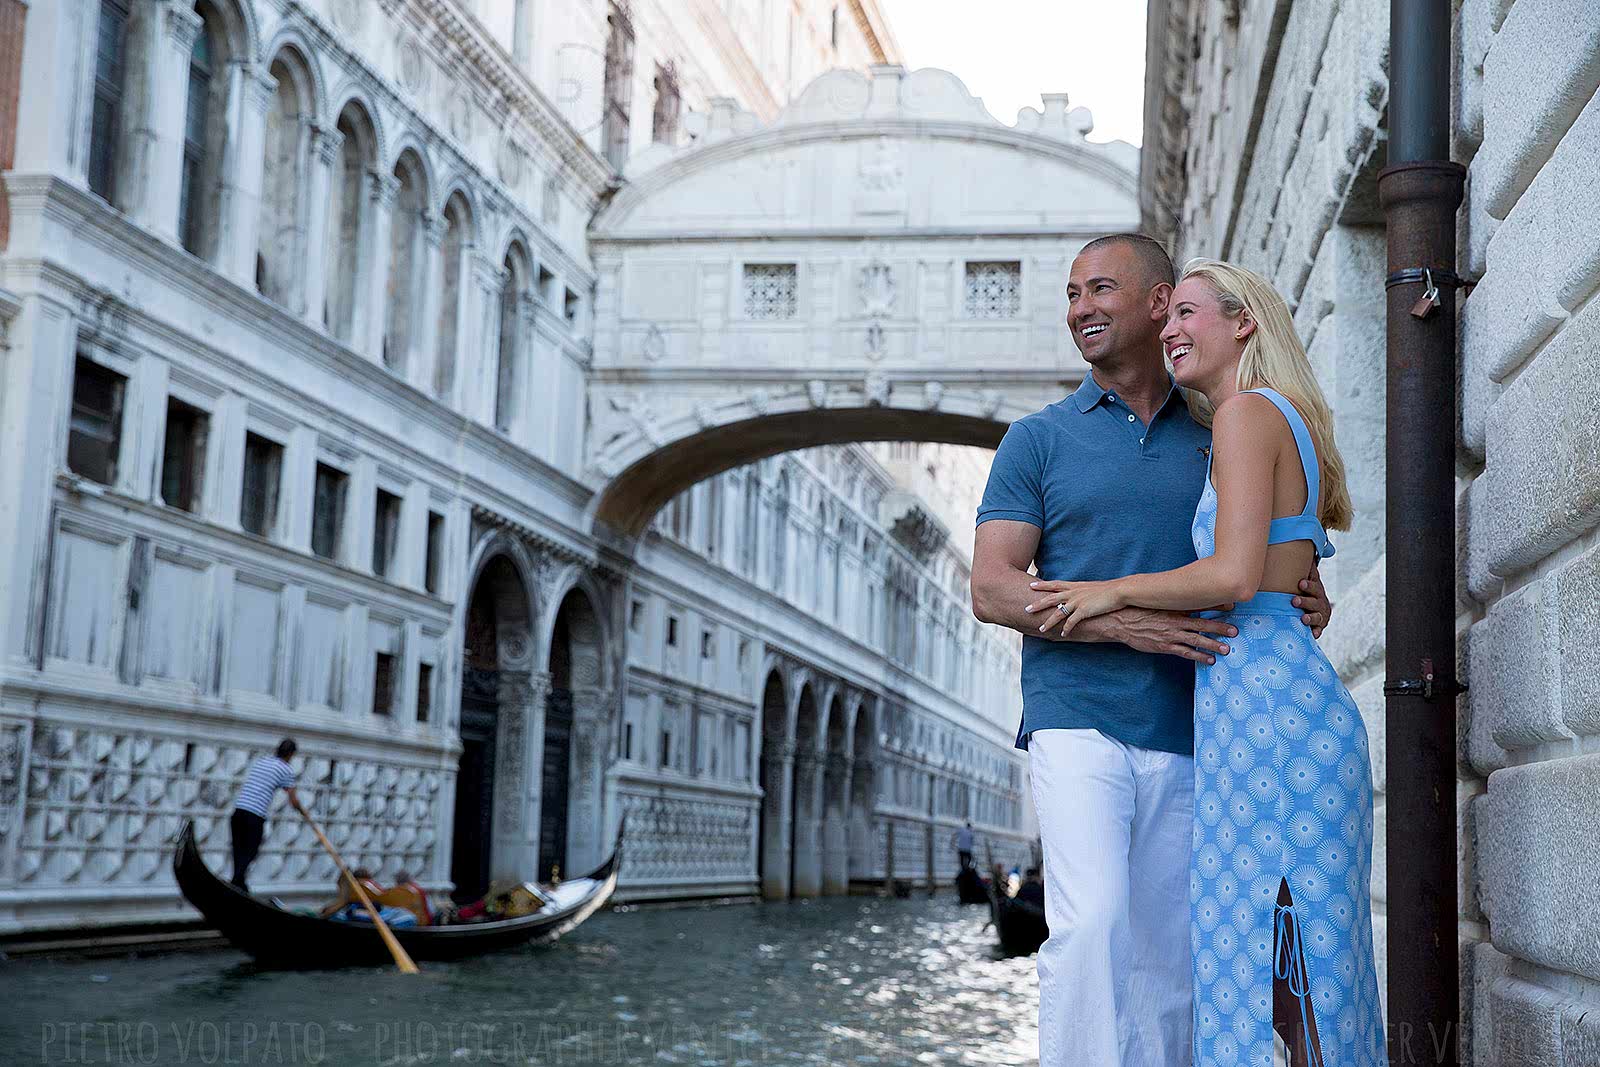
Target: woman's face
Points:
(1203, 344)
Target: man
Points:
(1102, 484)
(1031, 890)
(267, 775)
(964, 845)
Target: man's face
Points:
(1110, 304)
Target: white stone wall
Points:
(1287, 185)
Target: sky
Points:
(1010, 51)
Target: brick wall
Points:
(1284, 180)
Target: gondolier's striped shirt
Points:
(267, 775)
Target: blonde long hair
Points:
(1274, 358)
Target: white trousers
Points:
(1116, 823)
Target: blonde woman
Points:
(1280, 922)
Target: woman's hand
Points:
(1066, 604)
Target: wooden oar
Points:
(402, 959)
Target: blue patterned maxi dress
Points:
(1283, 793)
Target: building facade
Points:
(1265, 127)
(302, 331)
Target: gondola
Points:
(290, 940)
(970, 886)
(1021, 925)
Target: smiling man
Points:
(1101, 484)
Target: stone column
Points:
(522, 34)
(808, 824)
(56, 92)
(518, 762)
(592, 716)
(425, 351)
(860, 854)
(326, 144)
(835, 827)
(381, 194)
(525, 383)
(484, 347)
(160, 137)
(778, 762)
(251, 92)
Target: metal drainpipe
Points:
(1420, 192)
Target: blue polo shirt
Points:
(1111, 496)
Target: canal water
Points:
(841, 980)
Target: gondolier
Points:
(267, 775)
(963, 840)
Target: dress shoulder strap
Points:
(1302, 442)
(1304, 526)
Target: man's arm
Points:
(1003, 550)
(294, 799)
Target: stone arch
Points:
(353, 94)
(223, 39)
(777, 759)
(460, 188)
(285, 181)
(291, 43)
(351, 223)
(576, 732)
(408, 260)
(642, 475)
(489, 829)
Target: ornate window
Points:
(263, 473)
(451, 250)
(111, 60)
(194, 141)
(280, 252)
(407, 262)
(669, 102)
(349, 223)
(618, 85)
(994, 290)
(95, 437)
(770, 291)
(511, 373)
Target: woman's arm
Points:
(1247, 443)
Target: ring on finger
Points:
(1061, 608)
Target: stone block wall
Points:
(1296, 201)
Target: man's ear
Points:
(1160, 301)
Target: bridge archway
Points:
(884, 262)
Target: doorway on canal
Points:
(572, 766)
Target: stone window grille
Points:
(994, 290)
(183, 457)
(669, 105)
(327, 511)
(111, 60)
(618, 86)
(95, 438)
(263, 474)
(771, 291)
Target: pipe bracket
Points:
(1434, 277)
(1423, 687)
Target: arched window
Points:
(110, 63)
(406, 262)
(281, 246)
(204, 135)
(509, 377)
(452, 249)
(347, 223)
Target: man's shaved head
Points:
(1154, 262)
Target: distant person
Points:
(964, 845)
(1032, 888)
(267, 775)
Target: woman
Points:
(1280, 920)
